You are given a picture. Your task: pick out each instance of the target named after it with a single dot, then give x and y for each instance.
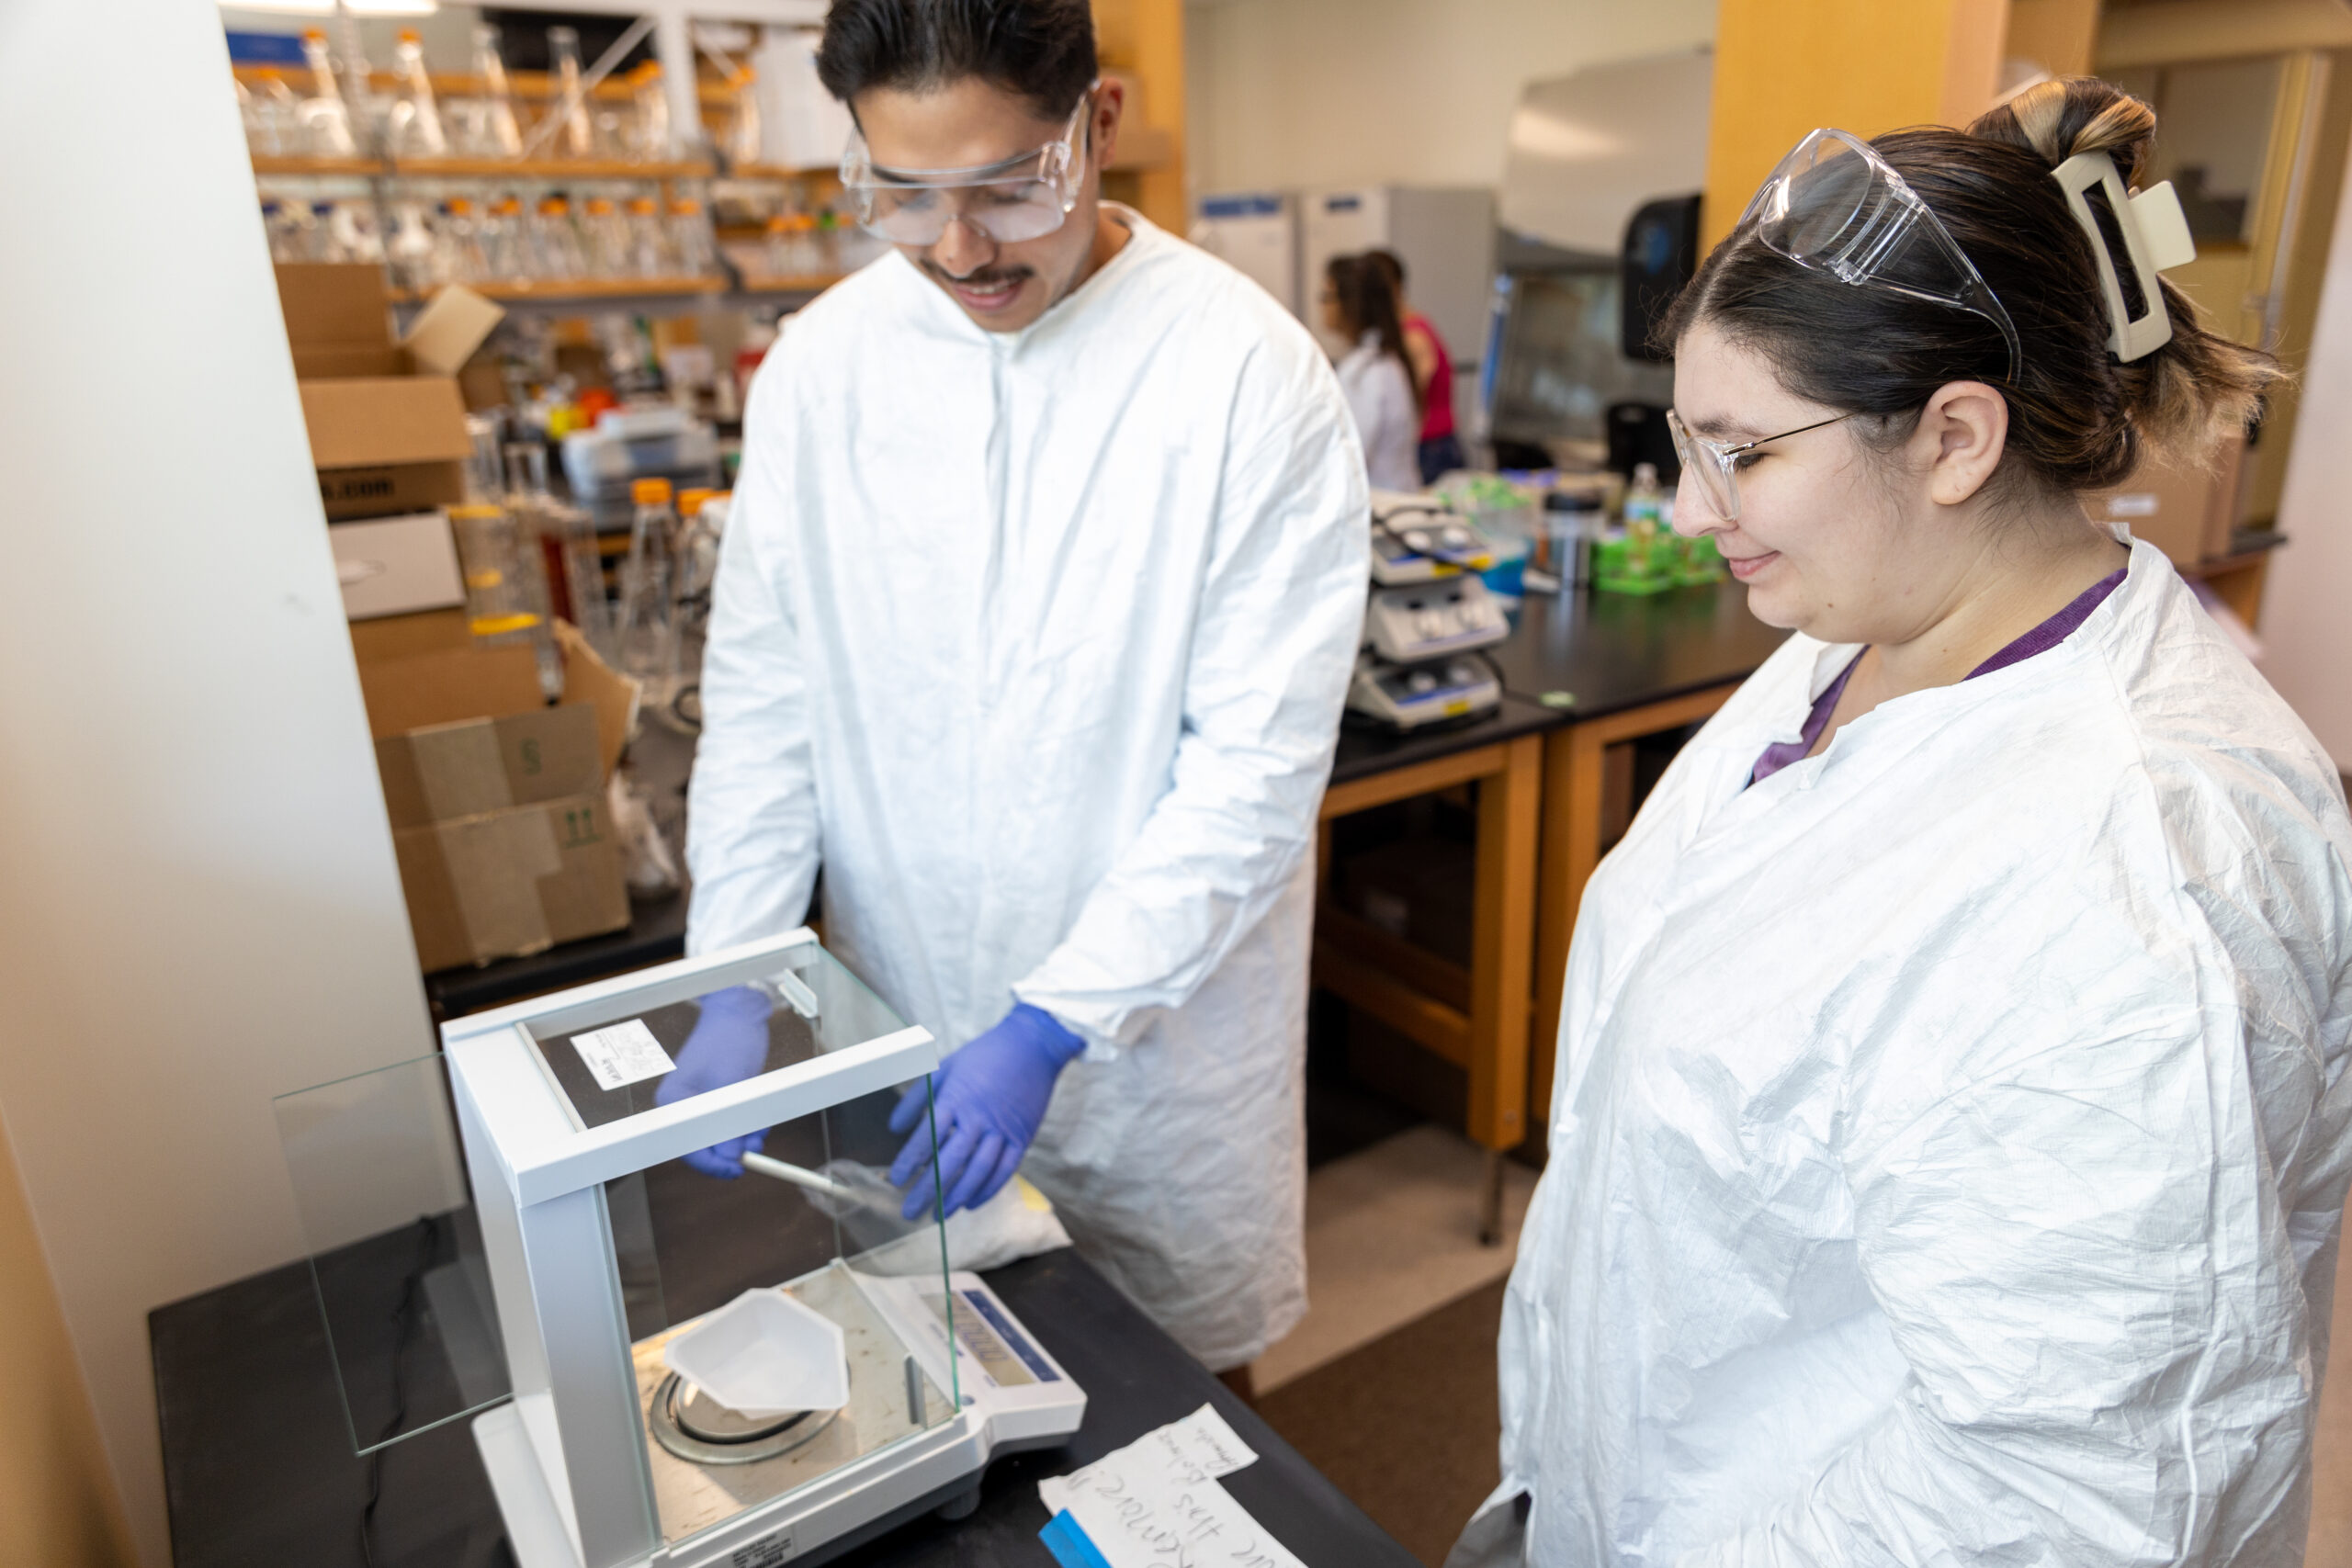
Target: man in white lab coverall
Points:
(1035, 615)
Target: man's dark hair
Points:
(1041, 50)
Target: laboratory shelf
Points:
(486, 168)
(805, 283)
(323, 167)
(547, 169)
(775, 171)
(525, 290)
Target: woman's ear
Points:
(1965, 427)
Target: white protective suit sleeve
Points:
(1281, 613)
(2082, 1264)
(755, 849)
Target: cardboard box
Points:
(396, 566)
(496, 800)
(338, 321)
(2188, 510)
(402, 636)
(506, 884)
(387, 422)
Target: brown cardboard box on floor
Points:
(497, 801)
(387, 422)
(2185, 509)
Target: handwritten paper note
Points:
(1156, 1503)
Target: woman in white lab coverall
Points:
(1950, 1137)
(1376, 376)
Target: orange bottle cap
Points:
(474, 511)
(690, 501)
(649, 492)
(598, 206)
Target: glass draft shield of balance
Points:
(507, 1231)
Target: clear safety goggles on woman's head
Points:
(1835, 205)
(1021, 198)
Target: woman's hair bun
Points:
(2201, 384)
(2060, 119)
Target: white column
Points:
(200, 908)
(673, 45)
(2307, 600)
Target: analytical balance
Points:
(558, 1306)
(1428, 614)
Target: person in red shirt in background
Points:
(1433, 366)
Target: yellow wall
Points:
(1860, 65)
(1146, 38)
(57, 1508)
(2060, 35)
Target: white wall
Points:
(200, 908)
(1292, 93)
(2307, 603)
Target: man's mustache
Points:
(987, 277)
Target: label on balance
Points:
(622, 1054)
(769, 1551)
(1004, 1353)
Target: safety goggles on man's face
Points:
(1019, 199)
(1835, 205)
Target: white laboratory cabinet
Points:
(1258, 233)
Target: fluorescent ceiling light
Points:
(1532, 131)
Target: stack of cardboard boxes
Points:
(496, 799)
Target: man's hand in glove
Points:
(990, 1097)
(729, 1043)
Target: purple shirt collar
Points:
(2041, 640)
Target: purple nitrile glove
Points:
(729, 1043)
(989, 1098)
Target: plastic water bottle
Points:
(1645, 513)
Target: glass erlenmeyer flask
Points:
(651, 135)
(690, 239)
(416, 116)
(324, 114)
(578, 137)
(743, 137)
(491, 127)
